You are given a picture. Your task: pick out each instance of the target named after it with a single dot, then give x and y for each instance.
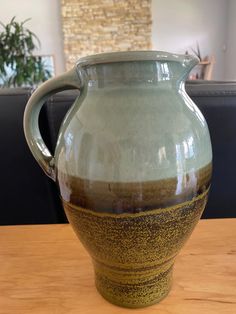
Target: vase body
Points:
(133, 167)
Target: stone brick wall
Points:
(94, 26)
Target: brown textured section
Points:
(133, 254)
(92, 26)
(135, 196)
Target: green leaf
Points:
(17, 44)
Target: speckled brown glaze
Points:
(133, 253)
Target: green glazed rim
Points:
(148, 55)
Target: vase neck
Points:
(132, 73)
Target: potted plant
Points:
(19, 67)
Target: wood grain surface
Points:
(44, 269)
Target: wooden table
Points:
(44, 269)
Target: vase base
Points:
(143, 293)
(134, 306)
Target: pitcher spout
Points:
(189, 62)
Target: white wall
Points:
(45, 23)
(230, 55)
(179, 24)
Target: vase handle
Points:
(72, 79)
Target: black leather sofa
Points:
(29, 197)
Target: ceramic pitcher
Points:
(133, 166)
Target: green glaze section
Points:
(133, 254)
(134, 134)
(132, 122)
(136, 123)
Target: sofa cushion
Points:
(217, 102)
(27, 195)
